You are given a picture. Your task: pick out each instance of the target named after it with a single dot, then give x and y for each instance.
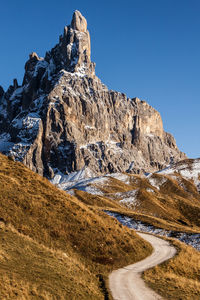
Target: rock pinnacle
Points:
(79, 22)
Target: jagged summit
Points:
(73, 51)
(63, 118)
(79, 22)
(71, 54)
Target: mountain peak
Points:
(63, 118)
(72, 54)
(79, 22)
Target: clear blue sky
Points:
(144, 48)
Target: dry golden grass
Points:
(95, 200)
(157, 222)
(40, 223)
(177, 278)
(113, 185)
(32, 271)
(173, 201)
(54, 246)
(176, 205)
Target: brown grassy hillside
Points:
(177, 278)
(164, 201)
(169, 202)
(54, 246)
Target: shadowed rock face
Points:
(63, 118)
(1, 92)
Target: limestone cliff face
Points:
(63, 118)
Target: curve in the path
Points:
(126, 283)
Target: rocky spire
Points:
(79, 22)
(71, 54)
(73, 51)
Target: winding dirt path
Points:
(126, 283)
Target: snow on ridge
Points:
(131, 200)
(84, 173)
(192, 239)
(81, 71)
(150, 190)
(76, 176)
(31, 121)
(89, 127)
(80, 180)
(19, 150)
(157, 182)
(188, 170)
(91, 190)
(122, 177)
(50, 69)
(114, 145)
(29, 127)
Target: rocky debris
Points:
(63, 118)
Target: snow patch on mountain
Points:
(192, 239)
(188, 169)
(80, 180)
(19, 150)
(156, 182)
(130, 200)
(29, 122)
(28, 126)
(120, 176)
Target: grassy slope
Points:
(105, 203)
(177, 278)
(52, 244)
(176, 205)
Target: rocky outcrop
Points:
(63, 118)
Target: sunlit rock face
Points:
(64, 118)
